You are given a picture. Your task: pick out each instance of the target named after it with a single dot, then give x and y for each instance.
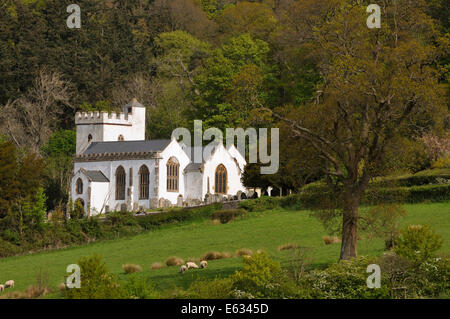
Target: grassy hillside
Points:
(262, 230)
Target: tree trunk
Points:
(349, 226)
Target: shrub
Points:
(139, 287)
(346, 279)
(244, 252)
(418, 243)
(260, 204)
(157, 265)
(7, 249)
(96, 281)
(261, 277)
(227, 215)
(174, 261)
(218, 288)
(211, 255)
(131, 268)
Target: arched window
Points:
(144, 178)
(89, 138)
(121, 138)
(79, 186)
(221, 180)
(120, 183)
(173, 168)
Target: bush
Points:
(174, 261)
(131, 268)
(157, 220)
(347, 279)
(418, 243)
(260, 204)
(7, 249)
(261, 277)
(227, 215)
(139, 287)
(219, 288)
(96, 281)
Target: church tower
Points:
(108, 127)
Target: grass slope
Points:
(264, 230)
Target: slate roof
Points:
(126, 147)
(97, 176)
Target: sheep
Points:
(183, 268)
(191, 265)
(9, 284)
(2, 288)
(203, 264)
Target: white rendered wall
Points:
(173, 149)
(106, 127)
(99, 197)
(222, 156)
(109, 170)
(193, 185)
(84, 195)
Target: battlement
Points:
(103, 118)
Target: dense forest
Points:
(229, 63)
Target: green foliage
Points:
(346, 279)
(261, 277)
(96, 281)
(8, 249)
(260, 204)
(138, 286)
(418, 243)
(227, 215)
(218, 288)
(62, 142)
(157, 220)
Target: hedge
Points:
(320, 196)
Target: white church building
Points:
(115, 168)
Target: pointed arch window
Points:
(121, 138)
(120, 183)
(79, 186)
(221, 180)
(144, 182)
(173, 168)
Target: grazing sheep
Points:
(183, 268)
(191, 265)
(9, 284)
(2, 288)
(203, 264)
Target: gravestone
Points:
(180, 201)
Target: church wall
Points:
(84, 195)
(221, 156)
(173, 149)
(109, 170)
(100, 194)
(193, 185)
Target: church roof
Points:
(126, 147)
(192, 167)
(96, 176)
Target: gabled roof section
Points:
(96, 176)
(126, 147)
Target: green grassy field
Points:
(264, 230)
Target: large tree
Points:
(375, 83)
